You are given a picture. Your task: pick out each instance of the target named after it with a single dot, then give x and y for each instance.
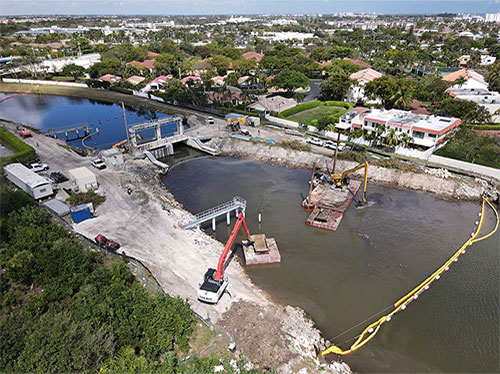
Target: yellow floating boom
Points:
(371, 330)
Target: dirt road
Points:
(147, 225)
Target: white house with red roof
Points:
(427, 131)
(112, 79)
(361, 78)
(473, 80)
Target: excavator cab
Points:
(211, 290)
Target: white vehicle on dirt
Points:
(315, 141)
(38, 167)
(98, 163)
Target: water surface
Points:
(377, 255)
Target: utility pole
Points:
(126, 126)
(336, 150)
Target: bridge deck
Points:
(236, 203)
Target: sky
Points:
(200, 7)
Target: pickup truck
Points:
(38, 166)
(106, 243)
(98, 163)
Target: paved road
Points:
(314, 91)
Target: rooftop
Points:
(29, 177)
(401, 118)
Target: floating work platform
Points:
(264, 251)
(330, 204)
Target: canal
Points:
(44, 112)
(377, 255)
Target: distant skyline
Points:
(211, 7)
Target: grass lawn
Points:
(310, 114)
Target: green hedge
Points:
(24, 152)
(487, 127)
(121, 90)
(300, 108)
(343, 104)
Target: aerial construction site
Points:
(254, 246)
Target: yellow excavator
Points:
(340, 180)
(123, 142)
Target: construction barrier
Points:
(371, 330)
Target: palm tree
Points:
(460, 81)
(402, 98)
(405, 139)
(391, 138)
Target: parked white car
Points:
(38, 166)
(98, 163)
(330, 144)
(209, 121)
(315, 141)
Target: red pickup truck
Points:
(103, 242)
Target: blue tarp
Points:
(80, 213)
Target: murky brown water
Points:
(377, 255)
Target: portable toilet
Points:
(80, 213)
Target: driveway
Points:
(314, 91)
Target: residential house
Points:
(488, 99)
(231, 94)
(362, 77)
(256, 56)
(472, 79)
(273, 104)
(427, 131)
(145, 65)
(191, 78)
(135, 80)
(361, 64)
(110, 78)
(157, 83)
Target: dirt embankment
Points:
(454, 186)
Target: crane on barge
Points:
(214, 282)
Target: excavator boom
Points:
(220, 266)
(339, 179)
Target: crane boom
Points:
(222, 259)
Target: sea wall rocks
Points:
(442, 183)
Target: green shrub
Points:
(296, 145)
(300, 108)
(468, 146)
(343, 104)
(78, 198)
(23, 152)
(487, 127)
(121, 90)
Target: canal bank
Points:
(453, 186)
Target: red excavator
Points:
(214, 283)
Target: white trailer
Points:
(28, 181)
